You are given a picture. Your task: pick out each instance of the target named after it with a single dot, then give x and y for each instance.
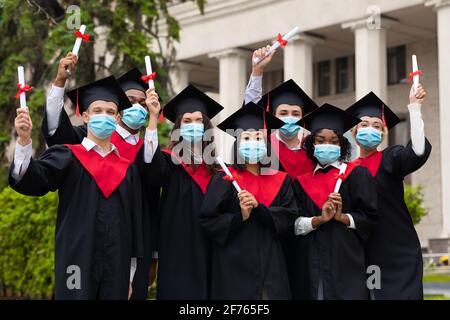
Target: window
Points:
(324, 79)
(342, 75)
(396, 63)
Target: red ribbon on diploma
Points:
(22, 89)
(147, 78)
(280, 39)
(85, 37)
(413, 74)
(228, 178)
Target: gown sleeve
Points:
(363, 196)
(280, 218)
(138, 232)
(215, 216)
(156, 173)
(403, 160)
(47, 173)
(66, 133)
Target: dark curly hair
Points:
(346, 147)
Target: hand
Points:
(419, 97)
(130, 291)
(246, 209)
(336, 199)
(23, 125)
(328, 211)
(258, 69)
(152, 102)
(69, 62)
(247, 199)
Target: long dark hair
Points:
(212, 168)
(346, 147)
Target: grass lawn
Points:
(436, 278)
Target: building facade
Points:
(346, 49)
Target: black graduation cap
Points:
(190, 100)
(372, 106)
(329, 117)
(106, 89)
(133, 80)
(251, 116)
(288, 93)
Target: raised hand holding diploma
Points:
(23, 126)
(148, 78)
(280, 42)
(80, 36)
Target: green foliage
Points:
(27, 227)
(414, 202)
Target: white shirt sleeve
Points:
(155, 255)
(133, 267)
(55, 104)
(352, 222)
(417, 129)
(150, 144)
(22, 157)
(303, 226)
(253, 91)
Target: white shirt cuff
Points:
(56, 92)
(155, 255)
(303, 226)
(150, 144)
(352, 222)
(133, 267)
(417, 129)
(22, 156)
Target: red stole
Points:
(126, 150)
(263, 187)
(108, 172)
(372, 162)
(295, 162)
(318, 186)
(200, 175)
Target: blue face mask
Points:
(290, 129)
(368, 137)
(102, 125)
(192, 132)
(327, 153)
(253, 151)
(135, 116)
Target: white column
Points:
(298, 61)
(179, 76)
(442, 8)
(370, 57)
(232, 82)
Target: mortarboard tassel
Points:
(302, 138)
(77, 108)
(382, 116)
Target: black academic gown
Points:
(68, 134)
(334, 253)
(247, 257)
(183, 248)
(394, 245)
(97, 234)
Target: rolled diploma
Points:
(21, 76)
(77, 45)
(276, 45)
(148, 67)
(415, 69)
(339, 181)
(225, 169)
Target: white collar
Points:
(297, 147)
(337, 164)
(88, 144)
(124, 133)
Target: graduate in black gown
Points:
(183, 171)
(393, 245)
(328, 261)
(57, 129)
(99, 222)
(245, 228)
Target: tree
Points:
(37, 33)
(414, 202)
